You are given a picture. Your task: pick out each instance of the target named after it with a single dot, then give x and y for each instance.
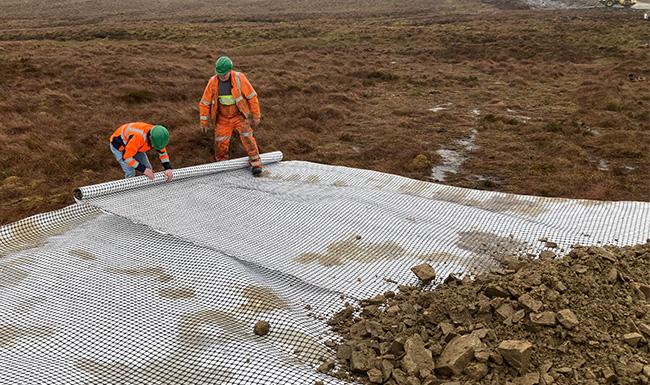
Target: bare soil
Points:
(580, 319)
(346, 83)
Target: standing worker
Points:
(130, 143)
(230, 101)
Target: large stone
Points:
(362, 360)
(632, 339)
(375, 376)
(476, 370)
(482, 355)
(608, 375)
(457, 354)
(516, 353)
(417, 357)
(530, 303)
(644, 328)
(344, 352)
(645, 289)
(547, 254)
(567, 318)
(505, 311)
(528, 379)
(400, 377)
(447, 329)
(386, 368)
(424, 272)
(496, 291)
(545, 318)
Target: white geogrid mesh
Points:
(154, 283)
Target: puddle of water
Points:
(517, 115)
(440, 107)
(603, 165)
(452, 160)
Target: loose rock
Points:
(457, 354)
(362, 360)
(546, 318)
(632, 339)
(262, 328)
(424, 272)
(417, 357)
(516, 353)
(476, 371)
(375, 376)
(567, 318)
(390, 334)
(530, 303)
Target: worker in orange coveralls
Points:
(230, 101)
(130, 143)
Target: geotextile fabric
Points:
(158, 283)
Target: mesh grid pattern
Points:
(108, 291)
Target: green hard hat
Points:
(223, 65)
(159, 137)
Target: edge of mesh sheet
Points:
(30, 231)
(96, 190)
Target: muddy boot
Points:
(257, 171)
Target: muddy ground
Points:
(504, 97)
(581, 319)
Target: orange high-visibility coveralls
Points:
(131, 138)
(231, 117)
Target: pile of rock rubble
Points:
(580, 319)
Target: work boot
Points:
(257, 171)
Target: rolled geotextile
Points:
(96, 190)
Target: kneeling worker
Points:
(130, 143)
(230, 101)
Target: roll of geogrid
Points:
(115, 186)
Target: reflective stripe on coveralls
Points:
(226, 100)
(231, 117)
(134, 140)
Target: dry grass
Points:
(351, 87)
